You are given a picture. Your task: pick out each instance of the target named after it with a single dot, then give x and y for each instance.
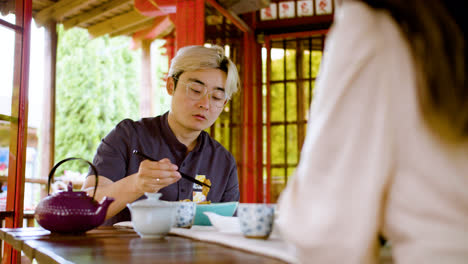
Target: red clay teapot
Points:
(69, 211)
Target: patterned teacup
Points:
(256, 220)
(185, 214)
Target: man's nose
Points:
(205, 101)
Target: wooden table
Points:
(112, 245)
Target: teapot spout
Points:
(102, 210)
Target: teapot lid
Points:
(70, 193)
(151, 201)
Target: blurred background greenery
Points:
(98, 85)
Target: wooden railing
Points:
(28, 216)
(42, 181)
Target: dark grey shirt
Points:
(153, 136)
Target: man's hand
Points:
(155, 175)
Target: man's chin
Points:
(197, 127)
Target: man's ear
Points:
(170, 86)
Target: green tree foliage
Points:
(97, 86)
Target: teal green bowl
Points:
(224, 209)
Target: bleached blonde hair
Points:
(193, 58)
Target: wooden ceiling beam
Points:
(236, 20)
(7, 7)
(40, 4)
(161, 27)
(59, 10)
(43, 2)
(98, 11)
(134, 28)
(117, 23)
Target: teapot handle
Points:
(51, 174)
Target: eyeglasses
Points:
(197, 91)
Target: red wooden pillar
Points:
(252, 186)
(268, 119)
(16, 171)
(18, 141)
(190, 23)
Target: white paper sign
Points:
(286, 9)
(305, 8)
(323, 7)
(268, 13)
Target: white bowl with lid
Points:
(151, 217)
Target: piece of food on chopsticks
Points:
(205, 191)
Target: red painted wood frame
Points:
(18, 139)
(268, 39)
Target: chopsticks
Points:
(185, 176)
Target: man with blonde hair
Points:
(201, 81)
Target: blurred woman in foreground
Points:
(387, 142)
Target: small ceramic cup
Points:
(256, 220)
(151, 217)
(185, 214)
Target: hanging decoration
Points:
(296, 9)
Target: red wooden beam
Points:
(153, 8)
(162, 25)
(303, 34)
(284, 24)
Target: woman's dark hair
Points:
(435, 32)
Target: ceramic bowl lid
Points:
(152, 200)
